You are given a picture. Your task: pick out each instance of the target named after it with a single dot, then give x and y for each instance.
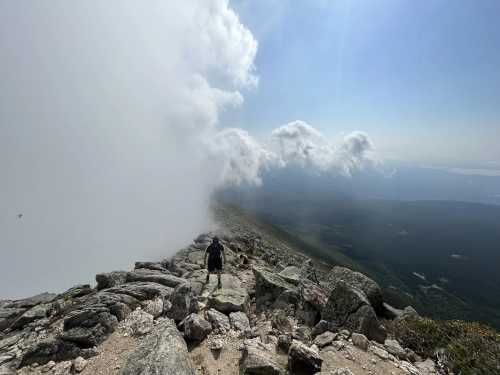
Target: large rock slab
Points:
(196, 328)
(271, 287)
(218, 320)
(142, 290)
(229, 300)
(181, 302)
(144, 274)
(257, 360)
(362, 282)
(349, 307)
(302, 360)
(33, 301)
(163, 352)
(110, 279)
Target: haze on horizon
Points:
(119, 120)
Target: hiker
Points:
(215, 253)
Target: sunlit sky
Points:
(422, 78)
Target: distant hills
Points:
(442, 257)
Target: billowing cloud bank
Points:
(243, 159)
(109, 143)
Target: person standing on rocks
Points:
(215, 253)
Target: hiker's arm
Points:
(205, 258)
(224, 254)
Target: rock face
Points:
(302, 360)
(357, 280)
(348, 307)
(163, 352)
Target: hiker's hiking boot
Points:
(219, 285)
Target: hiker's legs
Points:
(208, 276)
(218, 279)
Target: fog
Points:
(102, 108)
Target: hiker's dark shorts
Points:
(214, 264)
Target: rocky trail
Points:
(276, 313)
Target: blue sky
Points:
(422, 78)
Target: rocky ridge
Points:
(275, 314)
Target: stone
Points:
(325, 339)
(271, 287)
(239, 321)
(379, 352)
(157, 266)
(322, 326)
(292, 274)
(27, 303)
(110, 279)
(163, 352)
(196, 328)
(218, 320)
(302, 333)
(147, 275)
(357, 280)
(313, 294)
(76, 291)
(141, 290)
(181, 302)
(79, 364)
(36, 312)
(284, 342)
(393, 347)
(153, 307)
(348, 306)
(303, 360)
(360, 340)
(53, 349)
(139, 323)
(229, 300)
(257, 360)
(8, 315)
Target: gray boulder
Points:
(257, 360)
(393, 347)
(271, 288)
(8, 315)
(303, 360)
(33, 301)
(141, 290)
(218, 320)
(163, 352)
(157, 266)
(36, 312)
(325, 339)
(239, 321)
(360, 340)
(110, 279)
(143, 274)
(229, 300)
(348, 307)
(362, 282)
(196, 328)
(292, 274)
(181, 302)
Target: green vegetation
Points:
(468, 348)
